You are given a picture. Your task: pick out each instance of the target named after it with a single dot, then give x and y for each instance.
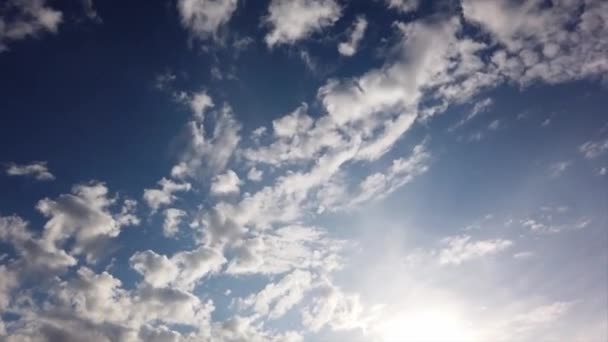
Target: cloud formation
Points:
(294, 20)
(203, 18)
(37, 170)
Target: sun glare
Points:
(428, 326)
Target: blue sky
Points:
(304, 170)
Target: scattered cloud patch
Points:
(226, 183)
(36, 170)
(173, 218)
(20, 19)
(157, 198)
(349, 48)
(594, 149)
(294, 20)
(459, 249)
(204, 18)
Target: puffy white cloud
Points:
(226, 183)
(332, 307)
(349, 47)
(173, 218)
(37, 170)
(293, 20)
(8, 281)
(157, 198)
(182, 271)
(199, 103)
(299, 138)
(594, 149)
(205, 17)
(36, 256)
(459, 249)
(293, 124)
(285, 249)
(84, 215)
(156, 269)
(255, 175)
(20, 19)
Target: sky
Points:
(304, 170)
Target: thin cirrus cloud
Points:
(328, 213)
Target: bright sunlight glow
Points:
(428, 326)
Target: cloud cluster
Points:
(20, 19)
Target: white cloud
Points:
(459, 249)
(594, 149)
(350, 47)
(182, 271)
(226, 183)
(333, 307)
(255, 175)
(494, 125)
(37, 170)
(288, 248)
(173, 218)
(157, 198)
(203, 18)
(381, 184)
(571, 42)
(20, 19)
(403, 5)
(85, 215)
(275, 299)
(36, 256)
(293, 20)
(199, 103)
(293, 124)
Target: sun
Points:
(427, 326)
